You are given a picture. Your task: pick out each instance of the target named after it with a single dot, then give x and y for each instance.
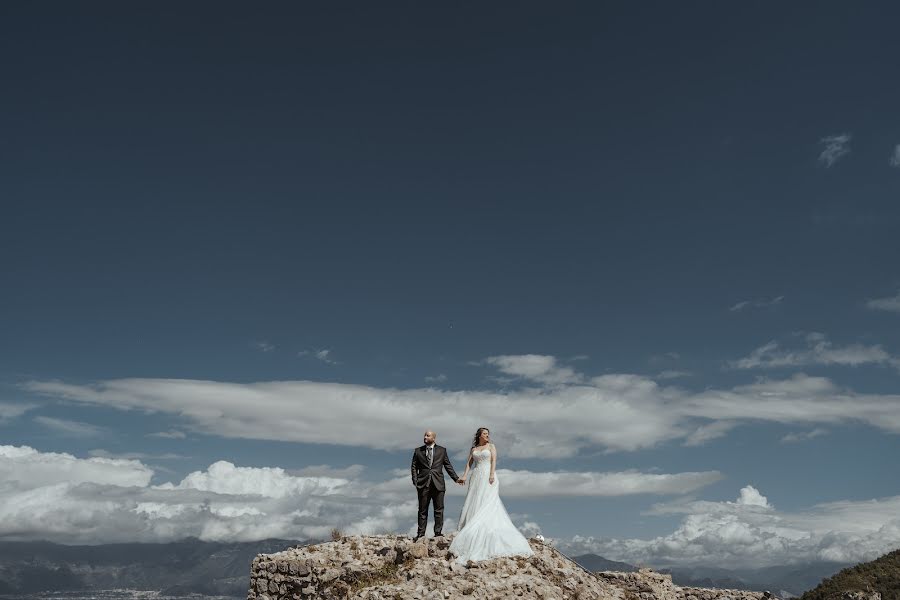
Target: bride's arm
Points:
(493, 462)
(468, 464)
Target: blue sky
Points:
(247, 257)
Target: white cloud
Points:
(135, 455)
(172, 434)
(751, 532)
(709, 431)
(803, 436)
(73, 500)
(668, 357)
(802, 399)
(440, 378)
(530, 529)
(750, 496)
(895, 157)
(99, 500)
(891, 304)
(71, 428)
(836, 147)
(818, 351)
(616, 412)
(322, 354)
(66, 499)
(540, 368)
(566, 484)
(762, 303)
(223, 477)
(672, 374)
(528, 484)
(264, 346)
(351, 472)
(9, 411)
(31, 469)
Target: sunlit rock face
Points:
(396, 568)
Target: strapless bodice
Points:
(481, 457)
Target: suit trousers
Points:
(430, 494)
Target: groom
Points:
(428, 464)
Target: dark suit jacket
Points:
(423, 475)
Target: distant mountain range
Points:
(192, 566)
(785, 581)
(177, 568)
(592, 562)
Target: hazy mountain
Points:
(222, 569)
(794, 579)
(188, 566)
(785, 580)
(592, 562)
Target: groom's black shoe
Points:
(417, 538)
(438, 534)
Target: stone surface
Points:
(647, 584)
(861, 595)
(396, 568)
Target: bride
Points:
(485, 530)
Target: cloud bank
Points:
(9, 411)
(818, 351)
(891, 304)
(543, 419)
(750, 532)
(60, 497)
(57, 496)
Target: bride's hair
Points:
(478, 435)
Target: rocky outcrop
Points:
(396, 568)
(647, 584)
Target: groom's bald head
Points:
(430, 436)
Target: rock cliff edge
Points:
(396, 568)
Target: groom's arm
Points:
(413, 470)
(449, 467)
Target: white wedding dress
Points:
(485, 529)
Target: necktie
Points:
(428, 451)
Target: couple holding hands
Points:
(484, 529)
